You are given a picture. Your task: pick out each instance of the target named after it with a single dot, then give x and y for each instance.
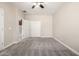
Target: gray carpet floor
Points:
(37, 47)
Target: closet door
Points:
(1, 28)
(35, 28)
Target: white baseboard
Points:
(7, 46)
(74, 51)
(10, 45)
(47, 36)
(20, 40)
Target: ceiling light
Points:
(37, 4)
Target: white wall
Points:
(66, 25)
(46, 24)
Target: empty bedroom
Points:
(39, 28)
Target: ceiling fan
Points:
(38, 4)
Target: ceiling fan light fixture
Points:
(41, 6)
(37, 4)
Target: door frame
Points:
(2, 28)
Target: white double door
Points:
(31, 29)
(35, 28)
(1, 28)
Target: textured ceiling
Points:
(50, 7)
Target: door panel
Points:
(35, 28)
(1, 28)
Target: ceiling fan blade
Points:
(33, 6)
(41, 6)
